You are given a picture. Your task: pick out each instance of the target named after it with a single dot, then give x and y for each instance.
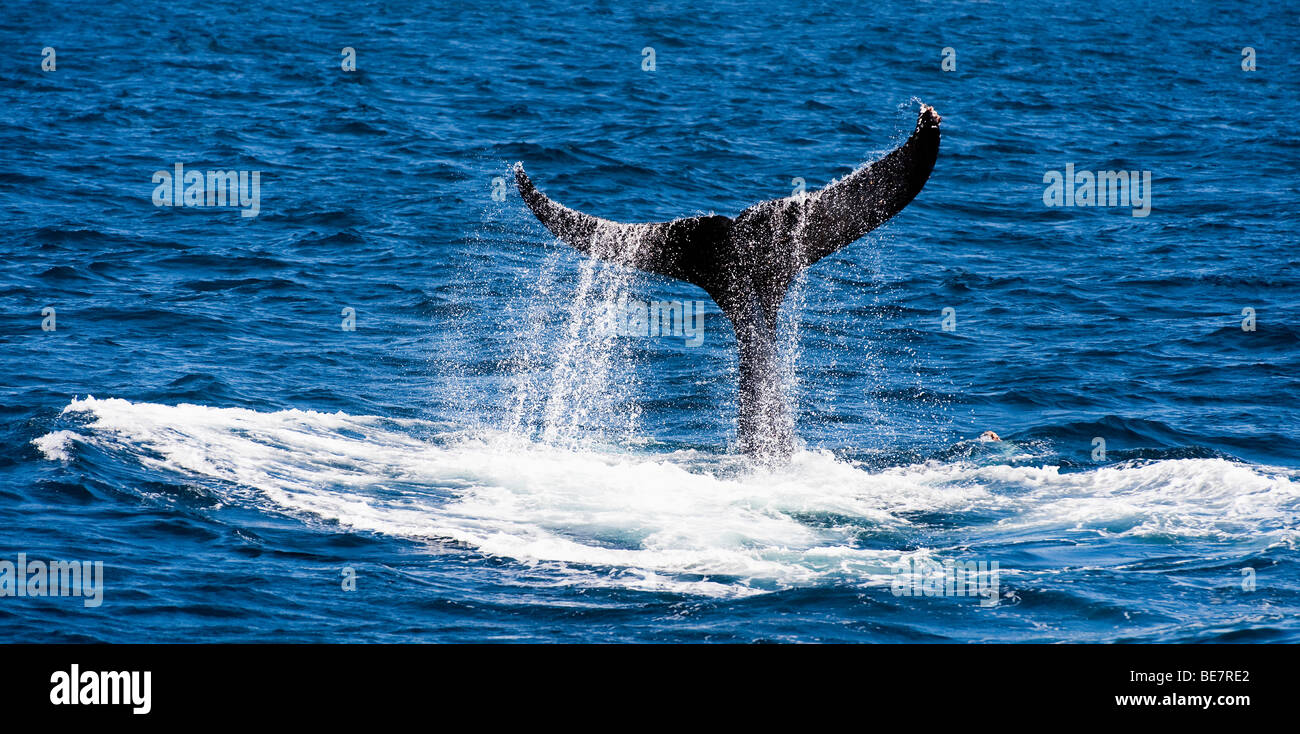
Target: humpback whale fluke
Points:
(747, 263)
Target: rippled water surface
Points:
(494, 466)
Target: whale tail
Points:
(747, 263)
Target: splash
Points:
(575, 380)
(685, 522)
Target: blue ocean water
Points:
(487, 464)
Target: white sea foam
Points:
(685, 521)
(55, 445)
